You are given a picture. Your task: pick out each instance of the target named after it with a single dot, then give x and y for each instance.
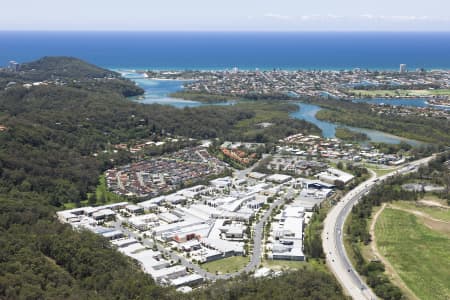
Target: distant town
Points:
(347, 84)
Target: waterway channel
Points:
(157, 91)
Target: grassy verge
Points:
(419, 254)
(226, 265)
(378, 170)
(284, 264)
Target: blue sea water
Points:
(225, 50)
(245, 50)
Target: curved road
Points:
(332, 238)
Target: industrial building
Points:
(335, 176)
(287, 234)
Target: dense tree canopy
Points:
(52, 132)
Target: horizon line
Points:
(227, 31)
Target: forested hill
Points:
(50, 133)
(65, 68)
(68, 71)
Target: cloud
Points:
(364, 17)
(277, 16)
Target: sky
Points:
(227, 15)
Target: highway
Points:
(332, 237)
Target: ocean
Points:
(127, 51)
(225, 50)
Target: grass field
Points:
(226, 265)
(401, 93)
(435, 212)
(420, 255)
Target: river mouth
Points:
(157, 92)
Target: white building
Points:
(288, 234)
(143, 222)
(191, 279)
(402, 68)
(279, 178)
(335, 176)
(168, 273)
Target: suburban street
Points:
(332, 235)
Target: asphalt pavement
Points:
(332, 235)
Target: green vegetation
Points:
(401, 148)
(47, 160)
(380, 171)
(360, 172)
(433, 211)
(201, 97)
(313, 240)
(358, 233)
(227, 265)
(102, 195)
(301, 284)
(426, 129)
(419, 254)
(69, 71)
(350, 135)
(270, 112)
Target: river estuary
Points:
(157, 91)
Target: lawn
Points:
(420, 255)
(226, 265)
